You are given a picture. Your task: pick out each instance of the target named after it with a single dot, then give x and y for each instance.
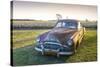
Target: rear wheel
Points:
(75, 49)
(77, 45)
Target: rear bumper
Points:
(54, 51)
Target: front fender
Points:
(43, 36)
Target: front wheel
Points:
(76, 47)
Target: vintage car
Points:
(63, 39)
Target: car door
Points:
(80, 32)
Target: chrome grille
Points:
(51, 46)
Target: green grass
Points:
(86, 52)
(23, 38)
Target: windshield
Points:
(65, 24)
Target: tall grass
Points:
(21, 38)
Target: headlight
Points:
(69, 42)
(38, 39)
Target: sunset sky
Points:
(48, 11)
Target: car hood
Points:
(62, 34)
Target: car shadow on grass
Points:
(28, 56)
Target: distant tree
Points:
(86, 20)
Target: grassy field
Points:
(23, 38)
(24, 53)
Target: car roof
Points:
(69, 20)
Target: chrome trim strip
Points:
(38, 49)
(65, 53)
(60, 53)
(48, 50)
(52, 43)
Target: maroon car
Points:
(63, 39)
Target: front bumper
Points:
(54, 51)
(54, 48)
